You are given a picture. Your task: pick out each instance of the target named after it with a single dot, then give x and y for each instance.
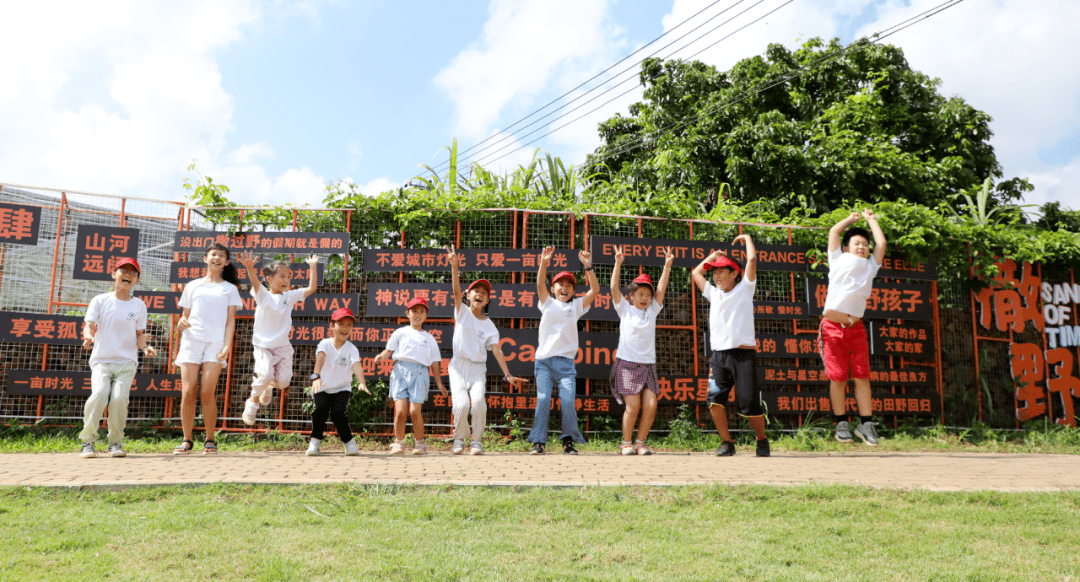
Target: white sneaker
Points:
(266, 396)
(313, 447)
(459, 447)
(117, 450)
(397, 449)
(251, 408)
(351, 449)
(419, 449)
(87, 451)
(477, 449)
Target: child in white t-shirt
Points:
(633, 375)
(270, 330)
(206, 331)
(336, 362)
(842, 337)
(734, 347)
(557, 348)
(114, 328)
(474, 335)
(416, 356)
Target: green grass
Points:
(351, 532)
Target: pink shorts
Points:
(843, 348)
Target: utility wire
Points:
(873, 39)
(594, 77)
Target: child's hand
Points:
(316, 386)
(363, 386)
(855, 217)
(223, 355)
(669, 257)
(545, 256)
(868, 215)
(248, 261)
(742, 237)
(586, 259)
(715, 255)
(312, 261)
(515, 381)
(182, 324)
(149, 351)
(619, 256)
(442, 389)
(451, 256)
(88, 343)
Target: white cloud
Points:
(1061, 184)
(246, 153)
(377, 186)
(527, 50)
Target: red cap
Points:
(644, 279)
(573, 280)
(127, 261)
(723, 262)
(416, 301)
(342, 313)
(481, 283)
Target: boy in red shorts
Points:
(842, 337)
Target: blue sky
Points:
(277, 99)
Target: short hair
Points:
(272, 268)
(855, 232)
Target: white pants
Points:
(468, 389)
(109, 387)
(271, 365)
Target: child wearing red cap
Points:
(114, 328)
(274, 304)
(734, 347)
(633, 376)
(841, 336)
(416, 357)
(557, 348)
(336, 362)
(474, 335)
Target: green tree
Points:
(813, 128)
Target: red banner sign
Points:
(647, 252)
(910, 340)
(182, 272)
(364, 335)
(888, 300)
(40, 328)
(882, 403)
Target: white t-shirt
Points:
(273, 317)
(337, 372)
(637, 331)
(209, 304)
(414, 346)
(851, 279)
(472, 337)
(117, 322)
(558, 335)
(731, 315)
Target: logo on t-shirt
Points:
(343, 362)
(570, 311)
(131, 316)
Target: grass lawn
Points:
(350, 532)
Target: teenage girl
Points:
(270, 332)
(206, 327)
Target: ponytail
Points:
(229, 271)
(272, 268)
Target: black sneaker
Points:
(538, 449)
(763, 448)
(727, 449)
(568, 447)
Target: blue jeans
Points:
(550, 371)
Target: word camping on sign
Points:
(99, 247)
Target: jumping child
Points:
(118, 321)
(556, 349)
(842, 337)
(336, 362)
(633, 376)
(474, 335)
(415, 354)
(207, 327)
(270, 331)
(734, 348)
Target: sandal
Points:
(641, 448)
(209, 448)
(183, 448)
(625, 448)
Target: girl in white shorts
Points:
(270, 333)
(206, 327)
(474, 335)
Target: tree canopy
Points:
(813, 128)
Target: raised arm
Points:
(661, 287)
(313, 273)
(616, 293)
(879, 236)
(452, 258)
(698, 274)
(248, 261)
(541, 275)
(594, 284)
(750, 272)
(837, 230)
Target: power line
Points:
(631, 78)
(876, 38)
(506, 136)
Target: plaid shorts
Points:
(630, 378)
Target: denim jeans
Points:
(551, 371)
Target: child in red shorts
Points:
(842, 337)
